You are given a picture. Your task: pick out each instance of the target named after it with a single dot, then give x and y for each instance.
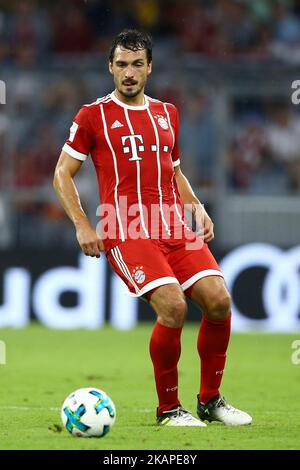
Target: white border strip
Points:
(200, 275)
(157, 283)
(123, 267)
(120, 257)
(170, 126)
(159, 173)
(176, 207)
(177, 162)
(104, 99)
(127, 106)
(173, 189)
(138, 175)
(116, 172)
(73, 153)
(117, 255)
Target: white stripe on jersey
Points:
(177, 162)
(106, 100)
(159, 172)
(176, 207)
(173, 189)
(138, 176)
(153, 99)
(169, 122)
(123, 267)
(116, 172)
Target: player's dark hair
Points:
(133, 40)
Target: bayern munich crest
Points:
(139, 274)
(162, 121)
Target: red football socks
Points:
(165, 351)
(212, 345)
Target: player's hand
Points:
(208, 228)
(204, 224)
(89, 241)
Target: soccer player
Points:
(133, 142)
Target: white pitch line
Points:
(42, 408)
(28, 408)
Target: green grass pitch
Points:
(44, 366)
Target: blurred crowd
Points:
(261, 152)
(264, 153)
(32, 32)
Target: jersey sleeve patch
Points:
(81, 139)
(73, 130)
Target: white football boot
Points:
(217, 409)
(178, 417)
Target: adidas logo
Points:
(116, 124)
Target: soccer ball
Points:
(88, 412)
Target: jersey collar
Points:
(126, 106)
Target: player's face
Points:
(130, 70)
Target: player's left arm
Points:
(203, 222)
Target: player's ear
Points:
(110, 67)
(149, 68)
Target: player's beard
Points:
(132, 93)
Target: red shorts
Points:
(146, 264)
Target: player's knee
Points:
(175, 313)
(220, 307)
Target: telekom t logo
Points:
(133, 146)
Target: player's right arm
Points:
(66, 190)
(75, 151)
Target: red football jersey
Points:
(134, 150)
